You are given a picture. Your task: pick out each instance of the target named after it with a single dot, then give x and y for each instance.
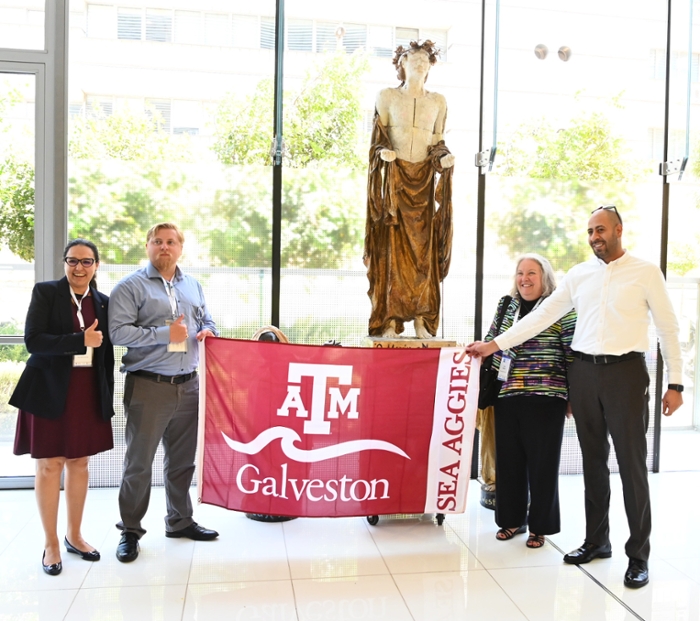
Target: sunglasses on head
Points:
(609, 208)
(72, 261)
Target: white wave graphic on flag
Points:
(289, 437)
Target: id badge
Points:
(180, 348)
(504, 369)
(83, 360)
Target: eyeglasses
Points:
(609, 208)
(72, 261)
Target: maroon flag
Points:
(303, 430)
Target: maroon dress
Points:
(81, 430)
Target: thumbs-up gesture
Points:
(178, 330)
(93, 336)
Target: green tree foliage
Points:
(127, 172)
(126, 136)
(114, 204)
(322, 226)
(17, 207)
(557, 177)
(16, 189)
(321, 120)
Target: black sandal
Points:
(535, 541)
(509, 533)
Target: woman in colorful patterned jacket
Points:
(530, 410)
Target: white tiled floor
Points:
(346, 570)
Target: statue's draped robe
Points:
(408, 244)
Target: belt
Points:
(168, 379)
(606, 359)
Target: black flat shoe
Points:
(586, 553)
(194, 531)
(52, 570)
(637, 574)
(93, 555)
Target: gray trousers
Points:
(614, 399)
(155, 411)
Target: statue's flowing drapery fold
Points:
(408, 243)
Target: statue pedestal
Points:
(406, 342)
(488, 496)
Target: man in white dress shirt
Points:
(613, 294)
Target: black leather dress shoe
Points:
(637, 574)
(53, 569)
(193, 531)
(263, 517)
(128, 548)
(93, 555)
(586, 553)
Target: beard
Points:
(164, 262)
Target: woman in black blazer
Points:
(65, 395)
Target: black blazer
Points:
(48, 334)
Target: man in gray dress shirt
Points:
(158, 313)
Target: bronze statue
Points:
(408, 242)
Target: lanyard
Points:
(79, 304)
(171, 297)
(516, 317)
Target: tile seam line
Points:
(600, 584)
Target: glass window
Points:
(569, 139)
(186, 117)
(217, 29)
(246, 31)
(355, 37)
(17, 184)
(188, 27)
(329, 117)
(267, 33)
(182, 135)
(129, 23)
(158, 110)
(159, 25)
(381, 41)
(327, 35)
(22, 24)
(439, 37)
(99, 107)
(101, 21)
(300, 35)
(404, 36)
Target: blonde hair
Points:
(549, 281)
(275, 330)
(165, 225)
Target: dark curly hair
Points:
(427, 46)
(79, 241)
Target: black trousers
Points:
(613, 399)
(528, 447)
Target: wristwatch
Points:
(676, 387)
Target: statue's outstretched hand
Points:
(387, 155)
(447, 161)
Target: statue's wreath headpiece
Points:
(427, 46)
